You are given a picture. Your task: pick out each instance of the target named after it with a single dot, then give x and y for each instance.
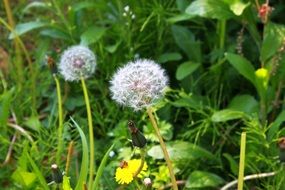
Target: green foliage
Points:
(210, 49)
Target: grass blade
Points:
(101, 168)
(38, 172)
(84, 163)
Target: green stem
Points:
(222, 32)
(163, 147)
(60, 121)
(91, 137)
(142, 163)
(241, 161)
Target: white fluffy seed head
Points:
(77, 61)
(138, 84)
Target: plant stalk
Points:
(91, 136)
(142, 151)
(60, 121)
(241, 161)
(163, 147)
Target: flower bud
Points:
(281, 144)
(56, 174)
(138, 139)
(147, 182)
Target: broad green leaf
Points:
(187, 100)
(166, 130)
(166, 57)
(215, 9)
(238, 7)
(55, 34)
(101, 168)
(274, 35)
(180, 150)
(33, 123)
(242, 65)
(85, 160)
(36, 5)
(24, 178)
(113, 48)
(226, 115)
(182, 4)
(185, 39)
(185, 69)
(244, 103)
(83, 5)
(232, 162)
(23, 28)
(274, 126)
(92, 35)
(201, 179)
(179, 18)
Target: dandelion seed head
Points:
(138, 84)
(77, 61)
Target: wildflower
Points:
(77, 61)
(56, 174)
(262, 77)
(261, 73)
(125, 173)
(147, 182)
(264, 11)
(138, 84)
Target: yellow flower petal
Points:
(125, 174)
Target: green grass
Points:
(210, 50)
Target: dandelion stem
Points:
(91, 137)
(60, 121)
(142, 163)
(163, 147)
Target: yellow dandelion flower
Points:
(125, 173)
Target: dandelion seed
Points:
(77, 61)
(138, 84)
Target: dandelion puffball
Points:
(138, 84)
(77, 61)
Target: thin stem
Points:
(60, 121)
(248, 177)
(163, 147)
(18, 61)
(142, 163)
(241, 161)
(91, 137)
(69, 155)
(222, 31)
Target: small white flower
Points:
(138, 84)
(147, 182)
(133, 16)
(127, 8)
(77, 61)
(124, 14)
